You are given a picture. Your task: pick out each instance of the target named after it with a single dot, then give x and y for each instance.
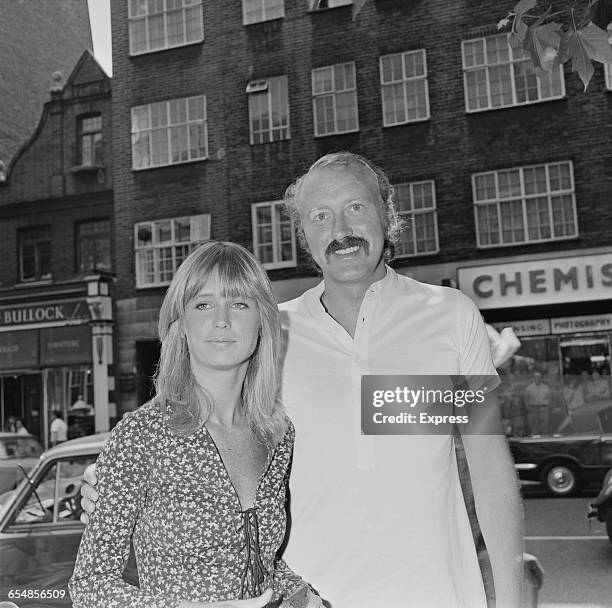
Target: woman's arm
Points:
(122, 472)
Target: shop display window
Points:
(556, 385)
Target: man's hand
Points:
(503, 345)
(89, 494)
(256, 602)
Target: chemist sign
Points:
(536, 282)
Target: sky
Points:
(99, 17)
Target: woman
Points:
(197, 477)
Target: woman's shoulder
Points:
(142, 422)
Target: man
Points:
(58, 428)
(537, 401)
(381, 521)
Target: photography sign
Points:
(428, 404)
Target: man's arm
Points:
(499, 509)
(494, 480)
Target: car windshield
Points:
(19, 447)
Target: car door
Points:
(41, 533)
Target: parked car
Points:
(563, 464)
(601, 507)
(17, 452)
(40, 529)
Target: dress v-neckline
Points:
(228, 476)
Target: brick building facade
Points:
(56, 209)
(217, 108)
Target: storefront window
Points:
(556, 385)
(70, 391)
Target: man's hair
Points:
(392, 222)
(239, 275)
(57, 413)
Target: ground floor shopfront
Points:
(561, 309)
(56, 355)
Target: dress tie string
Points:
(253, 572)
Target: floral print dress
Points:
(173, 497)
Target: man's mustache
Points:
(346, 242)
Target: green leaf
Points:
(519, 27)
(542, 43)
(581, 62)
(595, 43)
(357, 6)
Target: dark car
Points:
(564, 464)
(17, 453)
(601, 507)
(40, 530)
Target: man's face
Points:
(341, 214)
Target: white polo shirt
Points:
(379, 521)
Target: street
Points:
(576, 556)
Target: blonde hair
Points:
(239, 275)
(392, 222)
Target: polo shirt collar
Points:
(313, 296)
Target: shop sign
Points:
(534, 327)
(18, 349)
(537, 282)
(565, 325)
(65, 345)
(48, 312)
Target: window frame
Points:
(276, 207)
(333, 93)
(523, 199)
(168, 126)
(313, 5)
(96, 237)
(252, 95)
(411, 225)
(512, 61)
(404, 81)
(97, 159)
(164, 13)
(204, 226)
(21, 241)
(264, 10)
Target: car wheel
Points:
(561, 480)
(609, 524)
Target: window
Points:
(497, 75)
(164, 24)
(403, 81)
(35, 253)
(169, 132)
(273, 235)
(254, 11)
(162, 245)
(56, 497)
(90, 141)
(314, 5)
(416, 204)
(525, 205)
(268, 110)
(93, 245)
(335, 99)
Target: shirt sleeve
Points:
(475, 351)
(122, 470)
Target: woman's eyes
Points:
(238, 305)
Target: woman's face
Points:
(221, 332)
